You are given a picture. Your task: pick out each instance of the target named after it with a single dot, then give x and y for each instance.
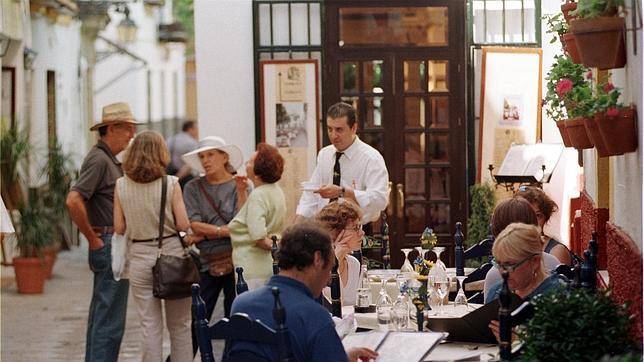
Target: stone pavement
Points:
(52, 326)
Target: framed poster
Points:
(289, 110)
(510, 104)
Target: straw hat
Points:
(115, 113)
(235, 158)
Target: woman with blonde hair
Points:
(137, 203)
(342, 220)
(518, 251)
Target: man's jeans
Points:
(106, 322)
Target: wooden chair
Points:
(241, 286)
(240, 327)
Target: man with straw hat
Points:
(91, 203)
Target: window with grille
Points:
(285, 29)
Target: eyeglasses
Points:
(356, 228)
(511, 267)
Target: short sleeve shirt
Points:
(96, 182)
(199, 209)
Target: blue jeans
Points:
(106, 321)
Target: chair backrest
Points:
(241, 286)
(240, 327)
(336, 304)
(276, 268)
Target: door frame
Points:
(455, 53)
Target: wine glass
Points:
(439, 250)
(441, 283)
(460, 299)
(406, 267)
(434, 298)
(384, 307)
(400, 312)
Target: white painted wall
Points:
(163, 61)
(225, 72)
(626, 171)
(58, 48)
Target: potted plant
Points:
(578, 100)
(60, 173)
(563, 77)
(14, 148)
(599, 33)
(567, 7)
(613, 122)
(576, 325)
(558, 28)
(33, 235)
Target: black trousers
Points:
(210, 289)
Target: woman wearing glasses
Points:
(342, 220)
(544, 207)
(518, 250)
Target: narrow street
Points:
(52, 326)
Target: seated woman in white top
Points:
(516, 209)
(342, 220)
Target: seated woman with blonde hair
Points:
(342, 220)
(518, 251)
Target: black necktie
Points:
(336, 171)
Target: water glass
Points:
(460, 299)
(384, 308)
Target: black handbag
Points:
(172, 276)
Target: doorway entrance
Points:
(402, 66)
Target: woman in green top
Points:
(261, 216)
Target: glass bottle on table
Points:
(363, 299)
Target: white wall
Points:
(58, 48)
(163, 60)
(626, 170)
(225, 72)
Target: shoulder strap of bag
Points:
(164, 189)
(210, 201)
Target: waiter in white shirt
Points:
(348, 168)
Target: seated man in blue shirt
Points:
(305, 260)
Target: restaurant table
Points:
(370, 320)
(392, 287)
(446, 351)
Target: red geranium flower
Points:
(612, 112)
(608, 87)
(564, 86)
(589, 74)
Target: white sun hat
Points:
(235, 158)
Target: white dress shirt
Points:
(362, 168)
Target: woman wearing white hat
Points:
(212, 200)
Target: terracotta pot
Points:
(600, 41)
(619, 133)
(566, 9)
(577, 133)
(50, 259)
(564, 133)
(570, 45)
(595, 136)
(30, 277)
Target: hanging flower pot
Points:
(561, 125)
(577, 132)
(600, 41)
(566, 9)
(595, 136)
(570, 45)
(618, 130)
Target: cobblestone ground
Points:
(52, 326)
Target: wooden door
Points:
(401, 64)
